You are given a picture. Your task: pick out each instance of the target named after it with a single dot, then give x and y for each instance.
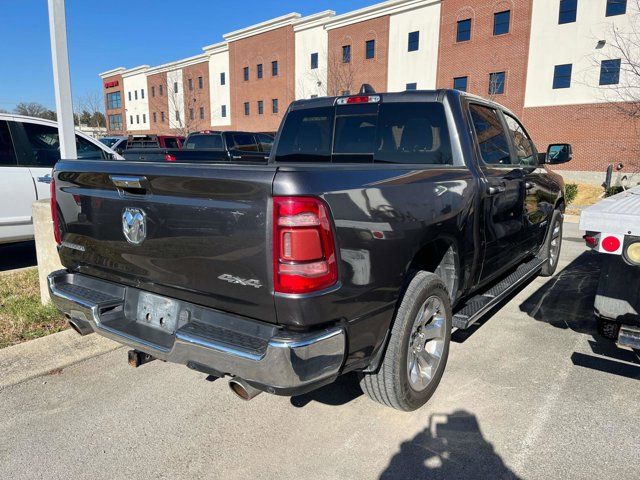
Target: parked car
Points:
(29, 148)
(210, 147)
(612, 229)
(380, 222)
(117, 144)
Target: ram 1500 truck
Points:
(380, 223)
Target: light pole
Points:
(62, 78)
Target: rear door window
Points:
(244, 142)
(170, 143)
(490, 135)
(43, 145)
(88, 150)
(266, 142)
(7, 153)
(213, 142)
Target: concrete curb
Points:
(48, 355)
(572, 218)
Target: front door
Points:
(502, 193)
(243, 147)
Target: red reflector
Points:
(169, 158)
(304, 256)
(591, 241)
(610, 244)
(358, 99)
(54, 214)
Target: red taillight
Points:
(591, 241)
(169, 158)
(304, 255)
(610, 244)
(54, 214)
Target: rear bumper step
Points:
(629, 336)
(273, 359)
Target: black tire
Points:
(550, 266)
(608, 328)
(390, 385)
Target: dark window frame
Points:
(370, 49)
(314, 61)
(464, 34)
(616, 7)
(259, 71)
(413, 41)
(247, 109)
(610, 72)
(274, 68)
(568, 11)
(499, 23)
(456, 80)
(501, 86)
(562, 76)
(346, 53)
(275, 108)
(245, 74)
(260, 107)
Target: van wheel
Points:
(418, 347)
(553, 245)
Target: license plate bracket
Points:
(158, 312)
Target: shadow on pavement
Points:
(340, 392)
(450, 447)
(566, 302)
(17, 255)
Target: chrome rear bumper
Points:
(276, 360)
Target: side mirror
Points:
(559, 153)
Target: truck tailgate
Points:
(619, 214)
(205, 238)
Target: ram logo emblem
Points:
(134, 225)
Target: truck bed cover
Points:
(619, 214)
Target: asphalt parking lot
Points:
(533, 392)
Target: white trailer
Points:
(612, 228)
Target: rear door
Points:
(244, 148)
(502, 195)
(17, 192)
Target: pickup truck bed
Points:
(619, 214)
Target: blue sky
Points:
(111, 33)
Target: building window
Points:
(135, 94)
(411, 86)
(610, 72)
(114, 101)
(201, 113)
(562, 76)
(162, 117)
(144, 118)
(223, 79)
(568, 11)
(190, 82)
(414, 41)
(260, 107)
(501, 21)
(115, 122)
(314, 61)
(223, 111)
(129, 95)
(616, 7)
(191, 114)
(274, 68)
(274, 105)
(142, 92)
(153, 91)
(138, 119)
(161, 90)
(259, 70)
(155, 118)
(177, 115)
(175, 87)
(245, 74)
(496, 83)
(247, 108)
(131, 119)
(460, 83)
(346, 53)
(200, 83)
(370, 49)
(464, 30)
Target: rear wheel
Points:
(418, 348)
(553, 245)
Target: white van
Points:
(29, 148)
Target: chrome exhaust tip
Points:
(243, 390)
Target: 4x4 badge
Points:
(134, 225)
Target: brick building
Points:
(550, 61)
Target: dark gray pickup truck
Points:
(380, 223)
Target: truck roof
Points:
(619, 214)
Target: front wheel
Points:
(553, 244)
(418, 347)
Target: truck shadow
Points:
(451, 446)
(566, 302)
(342, 391)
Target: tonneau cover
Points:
(619, 214)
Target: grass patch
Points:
(585, 196)
(22, 316)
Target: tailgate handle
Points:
(130, 184)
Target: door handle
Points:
(494, 190)
(529, 185)
(236, 157)
(46, 179)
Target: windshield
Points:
(401, 132)
(213, 142)
(109, 142)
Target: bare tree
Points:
(185, 108)
(340, 75)
(89, 109)
(34, 109)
